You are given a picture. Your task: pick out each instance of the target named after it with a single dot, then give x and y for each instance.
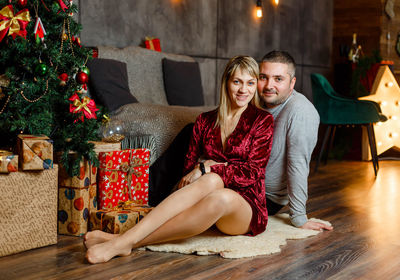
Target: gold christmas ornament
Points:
(4, 81)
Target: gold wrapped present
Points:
(8, 162)
(35, 152)
(28, 210)
(118, 219)
(74, 206)
(100, 146)
(87, 175)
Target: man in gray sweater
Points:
(295, 135)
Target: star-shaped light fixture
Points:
(386, 92)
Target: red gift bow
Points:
(62, 5)
(87, 107)
(15, 24)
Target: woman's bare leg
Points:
(226, 208)
(168, 208)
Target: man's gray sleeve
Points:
(301, 136)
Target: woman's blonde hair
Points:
(244, 63)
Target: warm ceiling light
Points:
(259, 9)
(276, 2)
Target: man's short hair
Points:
(281, 57)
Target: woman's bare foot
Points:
(92, 238)
(103, 252)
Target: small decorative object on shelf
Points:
(112, 130)
(153, 44)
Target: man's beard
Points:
(278, 101)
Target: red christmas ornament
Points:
(82, 77)
(22, 3)
(64, 78)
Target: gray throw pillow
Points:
(182, 82)
(108, 82)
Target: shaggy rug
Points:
(212, 241)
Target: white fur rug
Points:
(212, 242)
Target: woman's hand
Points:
(190, 177)
(209, 162)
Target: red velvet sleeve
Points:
(241, 174)
(195, 146)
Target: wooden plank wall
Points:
(368, 19)
(357, 16)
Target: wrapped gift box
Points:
(8, 162)
(152, 44)
(86, 177)
(28, 210)
(74, 206)
(77, 197)
(120, 219)
(35, 152)
(123, 176)
(100, 146)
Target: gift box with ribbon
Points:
(123, 176)
(35, 152)
(118, 219)
(152, 44)
(8, 162)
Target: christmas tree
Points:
(43, 78)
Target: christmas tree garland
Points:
(43, 89)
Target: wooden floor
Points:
(365, 243)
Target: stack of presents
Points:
(39, 199)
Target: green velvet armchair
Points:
(335, 110)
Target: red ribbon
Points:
(62, 5)
(16, 24)
(86, 107)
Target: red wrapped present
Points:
(123, 176)
(152, 44)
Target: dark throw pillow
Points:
(109, 83)
(182, 82)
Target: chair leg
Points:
(372, 146)
(324, 141)
(331, 138)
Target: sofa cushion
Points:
(109, 83)
(182, 83)
(144, 71)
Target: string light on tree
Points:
(386, 92)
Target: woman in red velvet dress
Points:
(225, 172)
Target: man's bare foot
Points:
(92, 238)
(104, 252)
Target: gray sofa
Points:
(152, 115)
